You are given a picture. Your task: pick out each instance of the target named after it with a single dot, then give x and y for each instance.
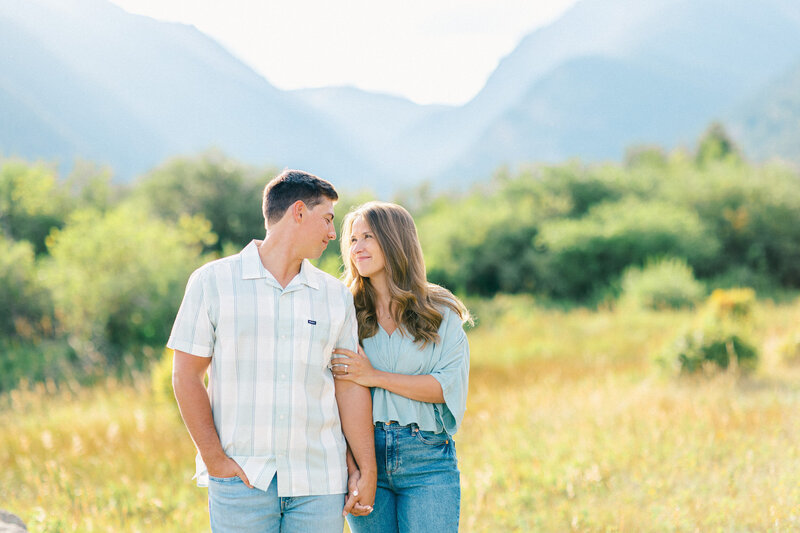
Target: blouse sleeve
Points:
(452, 372)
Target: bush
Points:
(31, 202)
(117, 278)
(223, 191)
(47, 360)
(662, 284)
(586, 254)
(26, 310)
(720, 336)
(709, 352)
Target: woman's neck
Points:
(383, 297)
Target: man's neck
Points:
(279, 257)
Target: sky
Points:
(429, 51)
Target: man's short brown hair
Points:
(290, 186)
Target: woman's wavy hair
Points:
(415, 300)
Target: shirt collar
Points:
(253, 268)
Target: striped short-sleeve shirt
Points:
(270, 388)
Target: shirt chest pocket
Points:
(319, 335)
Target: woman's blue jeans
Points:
(419, 485)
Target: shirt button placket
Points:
(283, 386)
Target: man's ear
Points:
(298, 210)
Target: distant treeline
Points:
(91, 273)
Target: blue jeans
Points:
(419, 485)
(234, 508)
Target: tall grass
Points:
(571, 426)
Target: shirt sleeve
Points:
(193, 331)
(452, 372)
(348, 334)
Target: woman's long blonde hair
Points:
(415, 301)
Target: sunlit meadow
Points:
(572, 425)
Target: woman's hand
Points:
(359, 502)
(353, 367)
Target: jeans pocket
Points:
(233, 479)
(433, 439)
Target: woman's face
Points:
(365, 251)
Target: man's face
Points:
(318, 228)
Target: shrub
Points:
(720, 336)
(117, 278)
(26, 310)
(585, 254)
(661, 284)
(41, 361)
(704, 351)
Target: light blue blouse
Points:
(446, 360)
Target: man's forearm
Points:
(195, 409)
(355, 411)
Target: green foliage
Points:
(721, 335)
(481, 245)
(224, 192)
(661, 284)
(24, 360)
(118, 277)
(31, 202)
(645, 156)
(716, 145)
(593, 250)
(26, 311)
(698, 352)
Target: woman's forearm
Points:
(422, 388)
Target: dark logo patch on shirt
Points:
(312, 322)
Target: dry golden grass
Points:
(570, 426)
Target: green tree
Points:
(117, 278)
(224, 192)
(716, 145)
(585, 255)
(26, 309)
(31, 202)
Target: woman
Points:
(415, 357)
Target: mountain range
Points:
(85, 79)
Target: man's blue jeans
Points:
(419, 485)
(234, 508)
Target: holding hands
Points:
(354, 366)
(361, 494)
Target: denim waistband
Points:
(393, 424)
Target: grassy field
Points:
(571, 426)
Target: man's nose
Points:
(332, 233)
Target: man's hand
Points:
(361, 495)
(226, 467)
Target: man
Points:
(268, 429)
